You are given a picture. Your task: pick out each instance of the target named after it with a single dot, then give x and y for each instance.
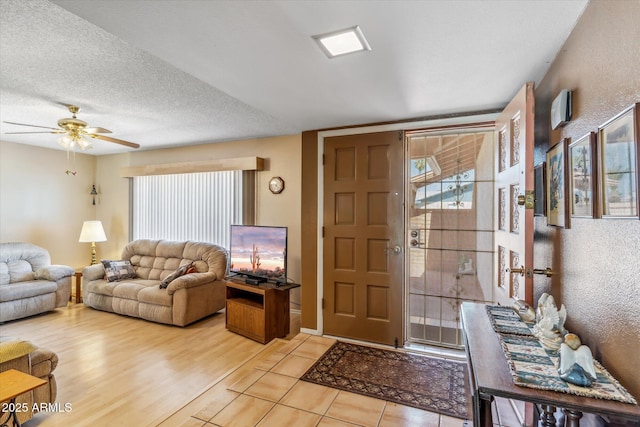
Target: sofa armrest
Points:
(53, 272)
(93, 272)
(191, 281)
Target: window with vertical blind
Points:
(190, 206)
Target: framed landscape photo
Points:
(582, 180)
(539, 188)
(557, 201)
(618, 165)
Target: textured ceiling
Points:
(172, 73)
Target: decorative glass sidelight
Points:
(450, 222)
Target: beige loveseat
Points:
(186, 299)
(29, 284)
(19, 354)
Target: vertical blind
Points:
(191, 206)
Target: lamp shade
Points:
(92, 231)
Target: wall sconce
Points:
(94, 193)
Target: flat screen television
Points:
(259, 253)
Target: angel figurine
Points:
(549, 328)
(576, 362)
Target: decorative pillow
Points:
(115, 270)
(185, 269)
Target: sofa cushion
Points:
(18, 261)
(129, 289)
(12, 348)
(100, 287)
(22, 290)
(155, 295)
(116, 270)
(19, 270)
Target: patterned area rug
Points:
(436, 385)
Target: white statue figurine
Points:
(576, 362)
(549, 328)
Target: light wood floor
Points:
(121, 371)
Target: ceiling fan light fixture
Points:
(69, 142)
(66, 142)
(342, 42)
(84, 143)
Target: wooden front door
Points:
(514, 177)
(362, 226)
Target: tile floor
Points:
(266, 391)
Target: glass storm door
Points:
(450, 242)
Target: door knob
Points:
(519, 271)
(527, 200)
(547, 271)
(396, 250)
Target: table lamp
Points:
(93, 232)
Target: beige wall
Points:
(597, 261)
(42, 205)
(282, 158)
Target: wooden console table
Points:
(259, 312)
(490, 376)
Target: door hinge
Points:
(322, 159)
(322, 303)
(323, 231)
(400, 134)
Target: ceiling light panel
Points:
(342, 42)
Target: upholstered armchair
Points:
(23, 356)
(29, 284)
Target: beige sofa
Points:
(22, 355)
(186, 299)
(29, 284)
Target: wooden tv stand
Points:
(259, 312)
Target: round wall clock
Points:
(276, 185)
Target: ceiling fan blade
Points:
(33, 126)
(14, 133)
(97, 130)
(117, 141)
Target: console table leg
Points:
(548, 419)
(573, 418)
(486, 418)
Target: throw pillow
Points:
(116, 270)
(179, 272)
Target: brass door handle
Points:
(527, 200)
(519, 271)
(547, 271)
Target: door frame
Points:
(400, 126)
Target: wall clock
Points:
(276, 185)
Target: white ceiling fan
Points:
(75, 132)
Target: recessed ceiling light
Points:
(342, 42)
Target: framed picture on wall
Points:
(557, 201)
(539, 188)
(618, 165)
(582, 187)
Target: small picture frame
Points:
(539, 188)
(556, 194)
(618, 165)
(582, 177)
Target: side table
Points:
(78, 286)
(14, 383)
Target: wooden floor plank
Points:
(118, 370)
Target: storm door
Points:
(450, 223)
